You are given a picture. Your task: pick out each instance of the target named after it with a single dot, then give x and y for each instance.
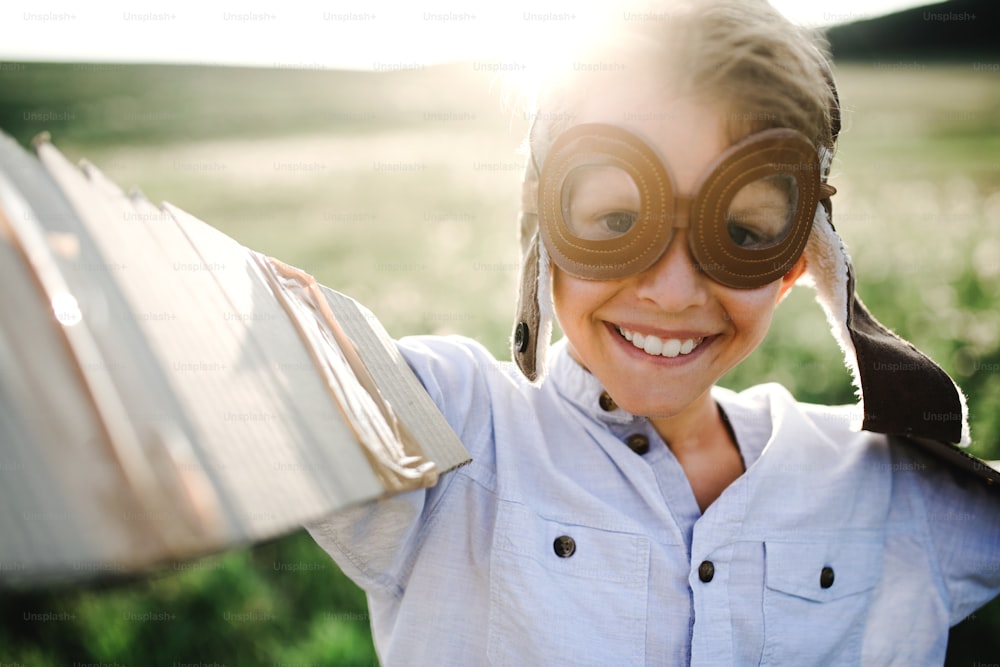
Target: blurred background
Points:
(392, 174)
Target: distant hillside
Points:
(101, 103)
(953, 30)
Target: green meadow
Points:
(402, 189)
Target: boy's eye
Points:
(600, 202)
(743, 236)
(619, 222)
(763, 212)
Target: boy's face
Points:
(694, 328)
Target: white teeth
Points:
(652, 345)
(658, 347)
(672, 347)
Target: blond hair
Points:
(763, 70)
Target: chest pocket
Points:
(563, 593)
(816, 599)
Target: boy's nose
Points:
(674, 282)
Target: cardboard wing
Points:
(166, 392)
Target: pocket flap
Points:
(797, 568)
(597, 553)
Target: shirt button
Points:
(606, 402)
(706, 571)
(564, 546)
(638, 443)
(826, 577)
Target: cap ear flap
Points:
(525, 338)
(905, 393)
(902, 391)
(533, 329)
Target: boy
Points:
(621, 508)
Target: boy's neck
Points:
(705, 448)
(692, 429)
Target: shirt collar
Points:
(578, 386)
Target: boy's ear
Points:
(789, 278)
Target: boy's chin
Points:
(657, 404)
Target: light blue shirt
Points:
(834, 547)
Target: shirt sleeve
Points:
(962, 519)
(375, 543)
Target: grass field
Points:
(401, 189)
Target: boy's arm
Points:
(376, 543)
(961, 515)
(372, 542)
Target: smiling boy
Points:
(623, 509)
(660, 339)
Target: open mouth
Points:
(660, 347)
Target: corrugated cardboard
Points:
(157, 400)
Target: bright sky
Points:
(374, 34)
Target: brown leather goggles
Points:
(608, 206)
